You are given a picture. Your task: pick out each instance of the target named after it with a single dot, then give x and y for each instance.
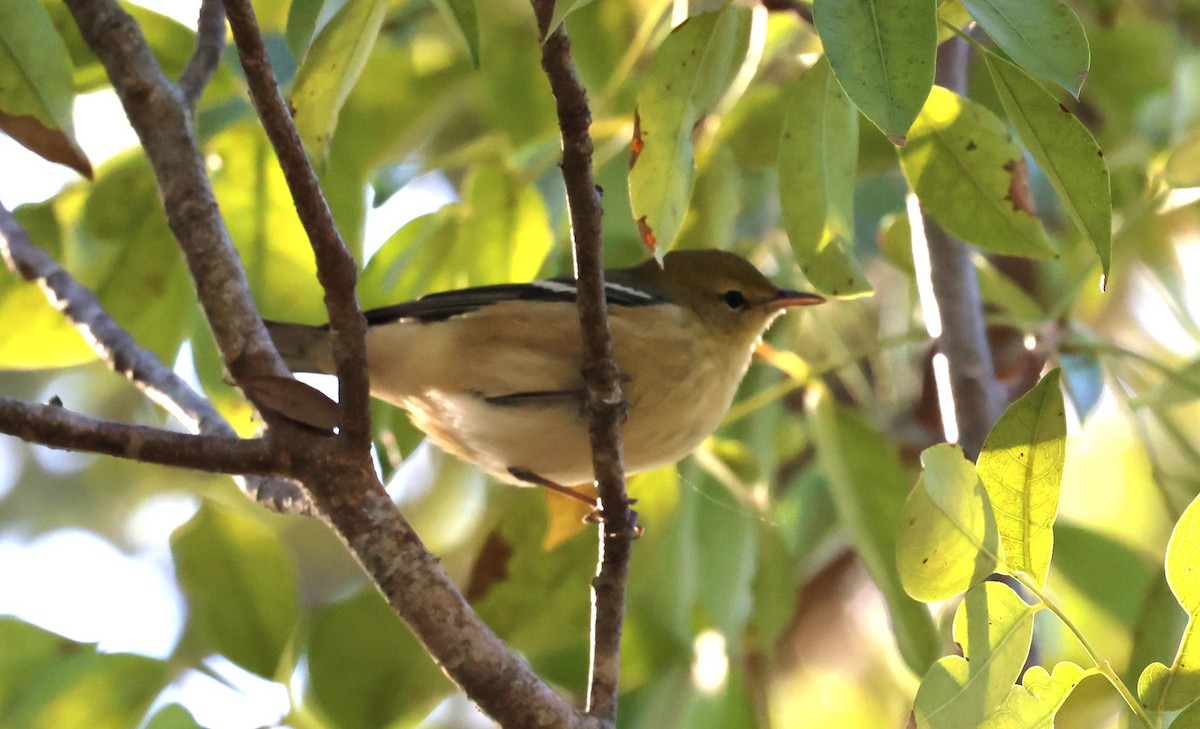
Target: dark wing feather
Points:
(448, 304)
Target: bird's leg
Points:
(532, 478)
(595, 516)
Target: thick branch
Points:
(605, 402)
(975, 391)
(124, 355)
(163, 123)
(57, 427)
(413, 582)
(210, 39)
(336, 268)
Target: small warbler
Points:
(492, 374)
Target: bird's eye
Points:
(734, 299)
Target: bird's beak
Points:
(785, 299)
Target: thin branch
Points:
(163, 123)
(976, 393)
(57, 427)
(124, 355)
(336, 268)
(210, 40)
(606, 403)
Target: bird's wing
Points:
(449, 304)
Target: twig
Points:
(58, 427)
(210, 40)
(605, 401)
(164, 125)
(976, 393)
(336, 268)
(122, 354)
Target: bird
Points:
(492, 374)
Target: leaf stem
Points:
(1103, 666)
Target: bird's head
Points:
(725, 292)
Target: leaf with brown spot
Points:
(490, 568)
(1019, 193)
(53, 145)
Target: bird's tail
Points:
(304, 348)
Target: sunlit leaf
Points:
(1168, 688)
(240, 586)
(330, 70)
(1183, 164)
(499, 233)
(262, 221)
(1064, 149)
(50, 682)
(1044, 36)
(883, 56)
(971, 177)
(869, 496)
(36, 93)
(1111, 574)
(994, 627)
(818, 154)
(1022, 465)
(366, 668)
(948, 539)
(1033, 704)
(689, 72)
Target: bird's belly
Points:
(669, 415)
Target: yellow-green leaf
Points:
(818, 154)
(868, 494)
(1022, 466)
(1168, 688)
(971, 177)
(330, 70)
(1064, 149)
(994, 627)
(690, 71)
(948, 539)
(1033, 704)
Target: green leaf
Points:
(1033, 704)
(264, 226)
(447, 250)
(330, 70)
(1022, 466)
(301, 24)
(1189, 718)
(1064, 149)
(690, 71)
(818, 153)
(172, 716)
(1168, 688)
(366, 668)
(971, 177)
(869, 494)
(994, 627)
(240, 586)
(883, 55)
(1044, 36)
(563, 8)
(50, 682)
(948, 538)
(36, 93)
(462, 16)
